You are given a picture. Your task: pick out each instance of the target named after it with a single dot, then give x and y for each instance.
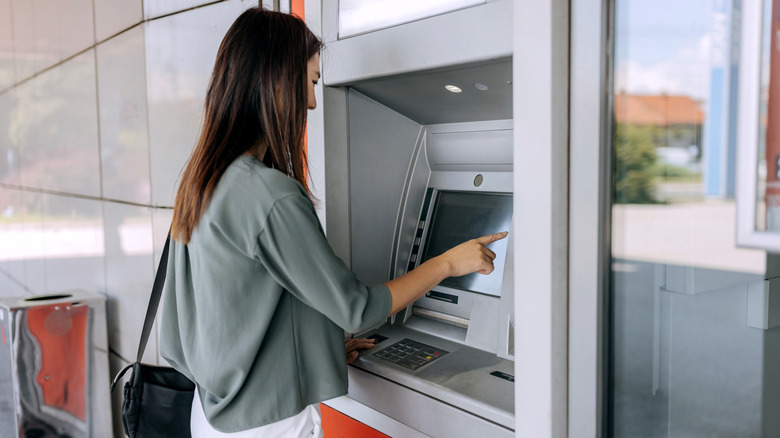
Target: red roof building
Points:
(657, 110)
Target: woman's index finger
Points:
(490, 238)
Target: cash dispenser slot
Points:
(450, 298)
(441, 317)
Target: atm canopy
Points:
(486, 93)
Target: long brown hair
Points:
(256, 100)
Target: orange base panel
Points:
(337, 425)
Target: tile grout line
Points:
(79, 196)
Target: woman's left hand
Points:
(353, 345)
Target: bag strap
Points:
(119, 375)
(154, 299)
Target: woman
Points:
(256, 303)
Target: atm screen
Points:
(461, 216)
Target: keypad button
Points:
(410, 354)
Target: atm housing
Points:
(465, 320)
(396, 142)
(404, 157)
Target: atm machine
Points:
(454, 345)
(418, 155)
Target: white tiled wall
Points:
(100, 105)
(72, 244)
(34, 244)
(50, 157)
(158, 8)
(124, 135)
(128, 263)
(8, 153)
(114, 16)
(45, 32)
(72, 24)
(176, 83)
(7, 73)
(26, 54)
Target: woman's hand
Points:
(472, 256)
(353, 345)
(468, 257)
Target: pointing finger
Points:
(490, 238)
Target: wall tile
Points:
(9, 152)
(23, 129)
(31, 245)
(55, 127)
(49, 243)
(26, 61)
(157, 8)
(180, 53)
(75, 29)
(115, 364)
(47, 31)
(12, 236)
(46, 44)
(162, 218)
(129, 277)
(7, 75)
(100, 380)
(124, 136)
(73, 244)
(161, 222)
(114, 16)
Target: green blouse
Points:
(256, 304)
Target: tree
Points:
(633, 175)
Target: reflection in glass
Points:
(684, 360)
(768, 179)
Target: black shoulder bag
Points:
(157, 400)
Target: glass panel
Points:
(359, 16)
(768, 185)
(693, 352)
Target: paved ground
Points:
(700, 234)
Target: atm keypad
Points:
(410, 354)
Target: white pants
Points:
(305, 424)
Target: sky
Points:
(669, 46)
